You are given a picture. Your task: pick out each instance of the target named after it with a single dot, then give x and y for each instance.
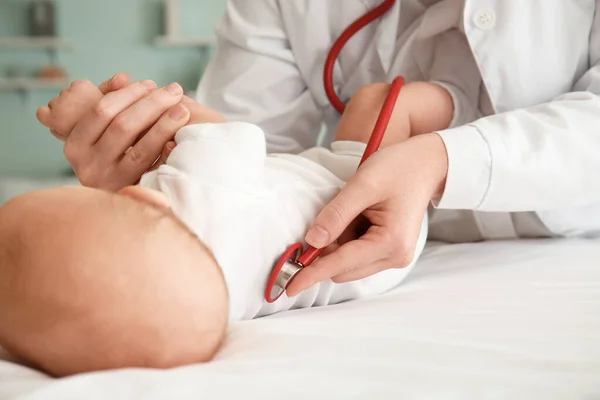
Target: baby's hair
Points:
(118, 276)
(6, 253)
(164, 215)
(11, 249)
(167, 217)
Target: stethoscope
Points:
(294, 259)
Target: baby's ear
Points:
(145, 195)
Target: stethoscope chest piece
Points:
(293, 261)
(284, 272)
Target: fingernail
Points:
(317, 237)
(296, 291)
(149, 85)
(178, 112)
(170, 146)
(292, 293)
(175, 89)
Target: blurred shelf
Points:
(165, 41)
(29, 84)
(33, 42)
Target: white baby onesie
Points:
(247, 207)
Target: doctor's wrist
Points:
(432, 150)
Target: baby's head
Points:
(91, 280)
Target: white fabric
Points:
(494, 320)
(247, 208)
(536, 65)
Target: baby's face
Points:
(77, 262)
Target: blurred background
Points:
(45, 44)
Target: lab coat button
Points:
(485, 19)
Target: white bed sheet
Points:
(498, 320)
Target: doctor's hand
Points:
(392, 190)
(120, 136)
(116, 135)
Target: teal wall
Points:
(107, 36)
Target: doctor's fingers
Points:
(349, 257)
(360, 193)
(141, 157)
(399, 257)
(138, 159)
(126, 129)
(399, 245)
(164, 156)
(364, 272)
(95, 122)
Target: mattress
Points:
(496, 320)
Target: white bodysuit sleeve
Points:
(541, 158)
(253, 77)
(342, 160)
(228, 154)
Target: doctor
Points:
(527, 165)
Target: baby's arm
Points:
(448, 99)
(422, 107)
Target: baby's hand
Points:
(421, 107)
(200, 114)
(64, 112)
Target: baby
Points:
(151, 276)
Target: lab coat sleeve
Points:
(542, 158)
(450, 71)
(253, 77)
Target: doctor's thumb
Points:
(338, 215)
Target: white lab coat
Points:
(535, 145)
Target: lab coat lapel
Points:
(375, 51)
(385, 39)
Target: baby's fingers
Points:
(117, 82)
(59, 136)
(43, 115)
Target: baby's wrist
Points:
(200, 114)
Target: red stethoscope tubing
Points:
(312, 253)
(339, 44)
